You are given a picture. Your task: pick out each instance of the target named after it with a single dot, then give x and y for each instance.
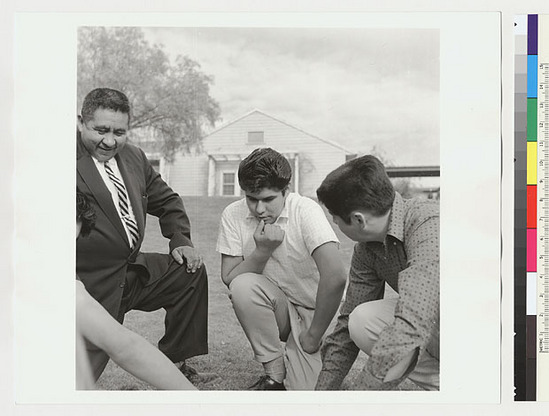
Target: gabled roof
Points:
(337, 145)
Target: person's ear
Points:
(357, 218)
(79, 123)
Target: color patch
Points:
(531, 249)
(531, 206)
(532, 34)
(532, 117)
(531, 163)
(532, 76)
(531, 290)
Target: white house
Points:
(213, 172)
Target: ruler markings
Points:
(542, 289)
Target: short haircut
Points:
(360, 184)
(264, 168)
(85, 213)
(105, 98)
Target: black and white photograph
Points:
(245, 126)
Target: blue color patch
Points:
(532, 76)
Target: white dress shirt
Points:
(112, 189)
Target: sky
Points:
(366, 89)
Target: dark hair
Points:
(84, 213)
(105, 98)
(264, 168)
(359, 184)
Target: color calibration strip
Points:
(531, 204)
(521, 202)
(531, 208)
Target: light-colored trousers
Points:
(267, 317)
(367, 321)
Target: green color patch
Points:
(532, 120)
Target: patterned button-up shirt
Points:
(408, 260)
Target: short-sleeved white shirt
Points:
(291, 266)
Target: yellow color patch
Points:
(532, 163)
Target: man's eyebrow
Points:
(267, 198)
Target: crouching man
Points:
(281, 262)
(398, 244)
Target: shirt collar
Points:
(396, 219)
(112, 162)
(284, 212)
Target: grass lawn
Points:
(230, 355)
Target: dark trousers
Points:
(165, 284)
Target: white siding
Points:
(316, 157)
(189, 175)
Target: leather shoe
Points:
(267, 383)
(194, 376)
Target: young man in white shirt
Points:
(280, 260)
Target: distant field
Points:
(230, 355)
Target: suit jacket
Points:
(103, 257)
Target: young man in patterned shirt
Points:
(281, 263)
(398, 244)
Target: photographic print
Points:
(201, 100)
(190, 107)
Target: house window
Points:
(229, 183)
(256, 137)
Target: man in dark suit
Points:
(123, 186)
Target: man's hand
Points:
(309, 343)
(268, 237)
(194, 259)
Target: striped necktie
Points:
(123, 204)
